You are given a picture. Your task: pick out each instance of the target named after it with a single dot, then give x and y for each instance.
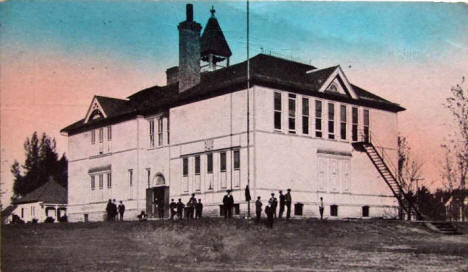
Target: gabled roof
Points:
(50, 192)
(266, 71)
(8, 210)
(212, 40)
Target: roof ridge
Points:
(109, 97)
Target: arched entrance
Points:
(157, 195)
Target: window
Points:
(148, 176)
(305, 115)
(160, 131)
(109, 133)
(168, 131)
(292, 113)
(33, 211)
(130, 177)
(354, 124)
(185, 167)
(277, 114)
(343, 122)
(101, 181)
(318, 118)
(236, 159)
(209, 163)
(22, 212)
(93, 182)
(93, 136)
(366, 125)
(101, 135)
(151, 132)
(197, 165)
(333, 210)
(365, 211)
(331, 121)
(223, 162)
(109, 180)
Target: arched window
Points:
(159, 179)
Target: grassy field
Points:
(234, 245)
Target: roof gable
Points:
(95, 111)
(50, 192)
(337, 83)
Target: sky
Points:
(56, 55)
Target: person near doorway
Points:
(121, 210)
(180, 209)
(321, 208)
(198, 209)
(109, 210)
(288, 201)
(258, 209)
(161, 208)
(281, 204)
(173, 207)
(155, 206)
(114, 210)
(269, 213)
(228, 203)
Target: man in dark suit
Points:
(269, 213)
(281, 203)
(198, 209)
(121, 210)
(109, 210)
(173, 207)
(258, 209)
(180, 208)
(288, 201)
(228, 202)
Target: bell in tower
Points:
(214, 50)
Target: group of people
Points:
(270, 209)
(193, 209)
(112, 210)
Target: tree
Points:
(41, 163)
(455, 166)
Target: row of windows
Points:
(100, 178)
(100, 132)
(318, 117)
(160, 132)
(209, 163)
(334, 210)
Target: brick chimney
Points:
(189, 52)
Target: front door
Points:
(160, 193)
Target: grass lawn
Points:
(234, 245)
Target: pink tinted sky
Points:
(47, 84)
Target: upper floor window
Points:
(366, 125)
(109, 180)
(151, 132)
(354, 126)
(343, 122)
(148, 176)
(101, 135)
(277, 114)
(93, 182)
(101, 181)
(236, 159)
(93, 136)
(185, 167)
(292, 113)
(331, 121)
(305, 115)
(209, 163)
(160, 131)
(168, 131)
(130, 177)
(197, 165)
(318, 118)
(222, 166)
(109, 133)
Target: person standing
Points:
(161, 208)
(121, 210)
(198, 209)
(180, 208)
(321, 208)
(269, 213)
(281, 203)
(173, 207)
(228, 202)
(288, 201)
(109, 210)
(273, 204)
(258, 209)
(114, 210)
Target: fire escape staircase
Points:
(398, 191)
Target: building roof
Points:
(50, 192)
(266, 71)
(212, 40)
(8, 210)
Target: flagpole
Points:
(248, 110)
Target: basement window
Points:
(334, 210)
(365, 211)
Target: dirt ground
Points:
(233, 245)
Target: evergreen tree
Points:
(42, 162)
